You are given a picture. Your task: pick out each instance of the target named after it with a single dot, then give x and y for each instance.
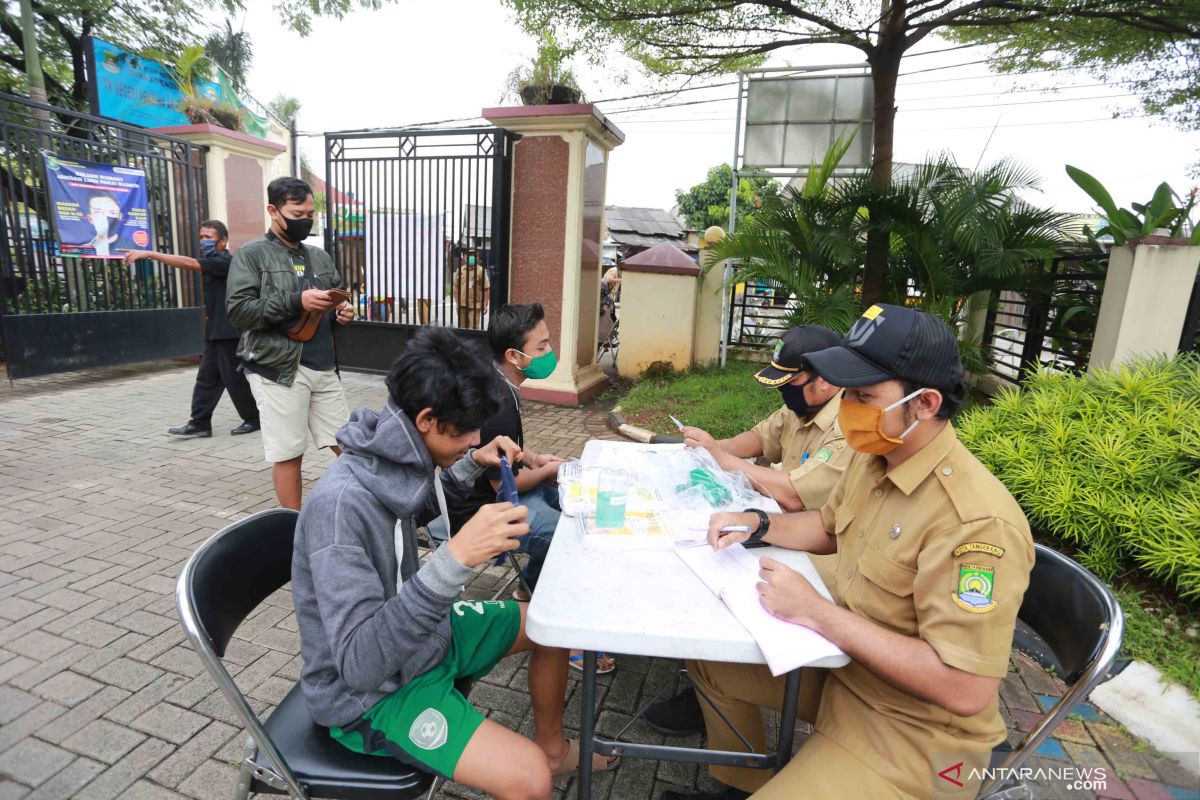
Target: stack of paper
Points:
(732, 575)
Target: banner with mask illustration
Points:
(99, 210)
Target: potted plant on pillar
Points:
(192, 71)
(546, 80)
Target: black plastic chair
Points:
(1070, 622)
(225, 580)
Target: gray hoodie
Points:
(370, 620)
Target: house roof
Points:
(643, 221)
(477, 222)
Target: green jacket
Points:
(263, 296)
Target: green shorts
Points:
(427, 723)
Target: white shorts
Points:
(314, 404)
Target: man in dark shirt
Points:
(218, 365)
(520, 343)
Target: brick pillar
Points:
(560, 166)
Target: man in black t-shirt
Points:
(218, 365)
(520, 343)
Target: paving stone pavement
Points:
(100, 697)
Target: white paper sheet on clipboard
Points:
(732, 575)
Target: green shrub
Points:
(1108, 462)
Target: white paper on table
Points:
(732, 575)
(691, 527)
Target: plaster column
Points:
(560, 166)
(238, 168)
(706, 344)
(1145, 300)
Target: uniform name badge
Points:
(975, 588)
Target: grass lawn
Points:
(1162, 632)
(724, 402)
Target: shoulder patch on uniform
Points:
(975, 588)
(824, 454)
(979, 547)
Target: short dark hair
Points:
(438, 371)
(510, 325)
(218, 226)
(283, 190)
(953, 400)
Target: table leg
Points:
(787, 721)
(587, 724)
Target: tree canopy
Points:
(1160, 64)
(707, 204)
(166, 25)
(703, 37)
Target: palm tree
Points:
(232, 51)
(809, 242)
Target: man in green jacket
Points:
(272, 281)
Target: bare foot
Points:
(568, 762)
(604, 663)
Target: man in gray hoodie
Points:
(384, 638)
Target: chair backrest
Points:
(222, 582)
(1069, 619)
(1070, 610)
(236, 570)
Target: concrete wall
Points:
(658, 320)
(1145, 301)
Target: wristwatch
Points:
(764, 523)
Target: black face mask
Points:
(793, 398)
(296, 230)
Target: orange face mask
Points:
(862, 425)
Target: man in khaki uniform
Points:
(470, 289)
(933, 558)
(803, 437)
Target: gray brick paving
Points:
(100, 696)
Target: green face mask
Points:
(540, 366)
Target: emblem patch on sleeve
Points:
(979, 547)
(975, 588)
(824, 454)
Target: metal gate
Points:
(60, 313)
(406, 212)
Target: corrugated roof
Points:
(644, 221)
(638, 240)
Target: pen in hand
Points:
(678, 424)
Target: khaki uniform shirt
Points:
(470, 286)
(813, 452)
(937, 549)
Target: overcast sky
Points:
(415, 62)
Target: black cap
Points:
(890, 342)
(788, 358)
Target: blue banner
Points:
(99, 210)
(132, 88)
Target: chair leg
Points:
(246, 771)
(434, 787)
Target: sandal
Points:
(520, 595)
(576, 662)
(569, 763)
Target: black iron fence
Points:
(49, 301)
(418, 222)
(38, 279)
(758, 314)
(1052, 326)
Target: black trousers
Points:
(218, 373)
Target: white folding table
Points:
(646, 602)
